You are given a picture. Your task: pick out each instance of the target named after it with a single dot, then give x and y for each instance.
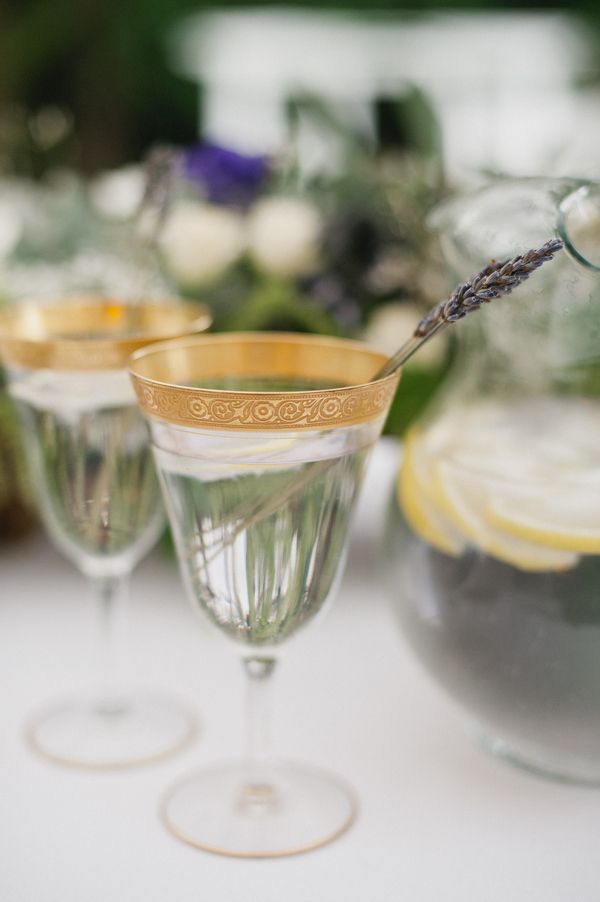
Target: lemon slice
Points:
(464, 499)
(549, 524)
(420, 512)
(518, 480)
(262, 449)
(218, 461)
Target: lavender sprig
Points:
(494, 281)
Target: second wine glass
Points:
(98, 495)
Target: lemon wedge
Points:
(421, 513)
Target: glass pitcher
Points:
(493, 536)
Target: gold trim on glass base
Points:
(89, 333)
(168, 378)
(278, 850)
(189, 730)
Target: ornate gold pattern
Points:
(292, 410)
(302, 356)
(91, 333)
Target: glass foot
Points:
(134, 730)
(282, 809)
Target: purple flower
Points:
(225, 176)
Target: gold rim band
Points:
(166, 379)
(91, 333)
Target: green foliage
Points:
(16, 506)
(107, 65)
(276, 305)
(417, 387)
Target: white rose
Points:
(283, 235)
(118, 194)
(393, 324)
(200, 241)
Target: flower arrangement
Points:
(268, 249)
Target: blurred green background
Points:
(96, 74)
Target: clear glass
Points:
(493, 535)
(84, 293)
(260, 518)
(260, 524)
(99, 498)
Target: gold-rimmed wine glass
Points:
(98, 495)
(261, 442)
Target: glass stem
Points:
(257, 793)
(110, 596)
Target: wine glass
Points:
(99, 499)
(261, 442)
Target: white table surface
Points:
(438, 819)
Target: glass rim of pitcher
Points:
(161, 375)
(567, 205)
(575, 189)
(87, 332)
